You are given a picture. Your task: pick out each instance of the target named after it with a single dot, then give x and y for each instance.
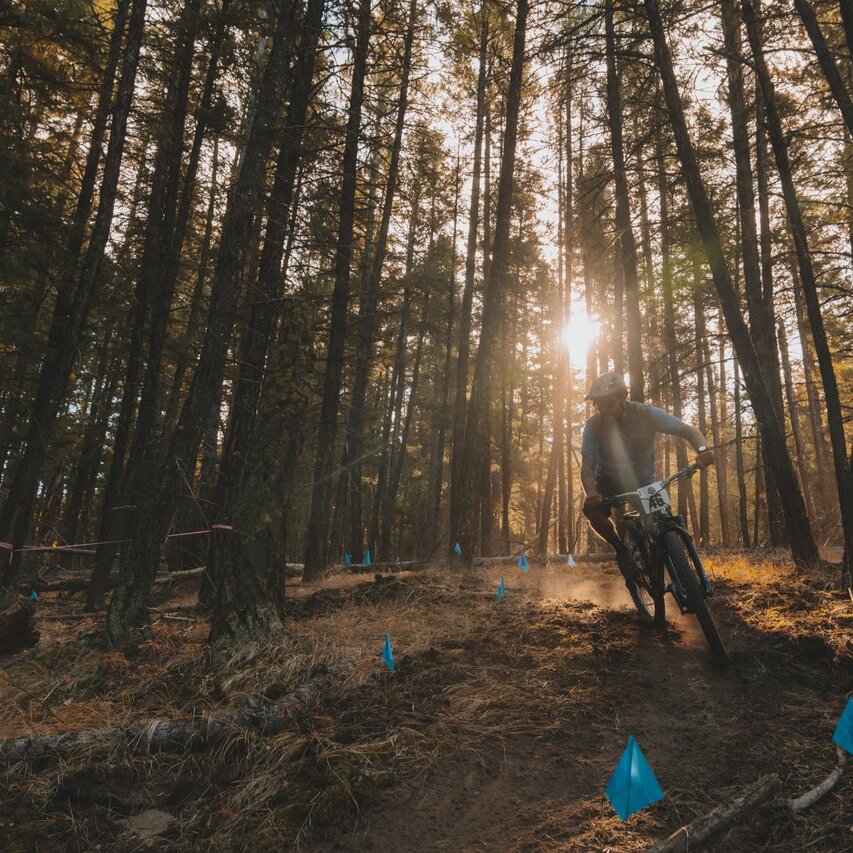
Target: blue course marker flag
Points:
(844, 730)
(633, 785)
(388, 653)
(571, 561)
(457, 549)
(347, 559)
(522, 563)
(34, 596)
(367, 560)
(501, 590)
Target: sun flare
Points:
(580, 333)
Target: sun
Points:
(579, 334)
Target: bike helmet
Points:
(606, 385)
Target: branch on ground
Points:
(722, 818)
(169, 735)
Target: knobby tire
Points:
(648, 579)
(674, 549)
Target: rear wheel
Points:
(676, 554)
(647, 589)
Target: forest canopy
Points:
(321, 281)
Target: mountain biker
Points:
(618, 455)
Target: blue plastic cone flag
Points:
(844, 730)
(367, 557)
(388, 654)
(523, 564)
(457, 549)
(34, 596)
(501, 590)
(571, 561)
(347, 559)
(633, 785)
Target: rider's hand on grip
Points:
(706, 457)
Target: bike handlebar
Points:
(683, 474)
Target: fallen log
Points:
(811, 797)
(551, 558)
(702, 830)
(266, 718)
(79, 584)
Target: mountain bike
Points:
(659, 540)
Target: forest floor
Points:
(499, 729)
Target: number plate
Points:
(654, 498)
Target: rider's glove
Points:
(705, 457)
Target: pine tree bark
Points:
(796, 428)
(242, 584)
(383, 549)
(700, 331)
(803, 547)
(626, 245)
(368, 302)
(761, 319)
(807, 278)
(90, 449)
(127, 616)
(684, 488)
(740, 468)
(828, 489)
(476, 424)
(69, 318)
(827, 61)
(316, 554)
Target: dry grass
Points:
(473, 677)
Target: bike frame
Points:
(653, 517)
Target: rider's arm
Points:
(588, 475)
(589, 456)
(671, 425)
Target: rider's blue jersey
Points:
(624, 450)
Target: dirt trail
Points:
(498, 730)
(705, 733)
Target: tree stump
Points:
(17, 628)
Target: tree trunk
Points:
(457, 495)
(369, 299)
(69, 318)
(828, 489)
(807, 279)
(476, 424)
(827, 62)
(173, 249)
(398, 459)
(739, 465)
(316, 534)
(796, 429)
(128, 608)
(626, 246)
(670, 341)
(70, 315)
(247, 599)
(90, 448)
(803, 547)
(719, 451)
(761, 319)
(699, 325)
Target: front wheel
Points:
(676, 555)
(647, 590)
